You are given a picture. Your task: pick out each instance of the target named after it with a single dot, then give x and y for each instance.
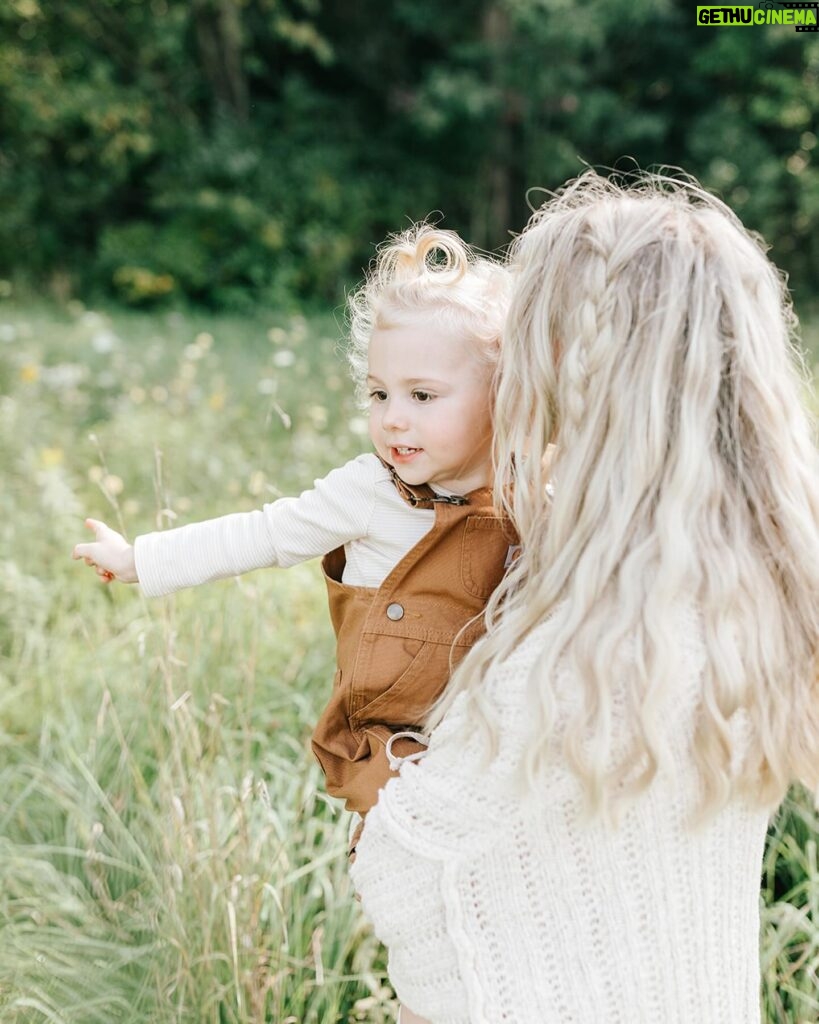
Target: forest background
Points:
(188, 189)
(236, 151)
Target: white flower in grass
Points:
(112, 484)
(318, 416)
(63, 376)
(284, 358)
(358, 425)
(104, 342)
(276, 336)
(257, 482)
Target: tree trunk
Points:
(499, 196)
(218, 28)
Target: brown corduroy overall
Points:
(397, 643)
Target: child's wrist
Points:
(129, 574)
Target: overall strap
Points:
(421, 496)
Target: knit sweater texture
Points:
(506, 905)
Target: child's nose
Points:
(394, 415)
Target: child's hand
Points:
(110, 554)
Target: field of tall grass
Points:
(167, 852)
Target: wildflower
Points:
(358, 425)
(318, 416)
(104, 342)
(256, 484)
(63, 376)
(112, 484)
(51, 457)
(284, 358)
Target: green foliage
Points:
(790, 917)
(228, 151)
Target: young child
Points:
(584, 839)
(412, 544)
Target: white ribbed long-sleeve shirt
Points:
(356, 505)
(502, 908)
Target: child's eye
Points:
(422, 396)
(378, 396)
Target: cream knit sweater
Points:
(501, 908)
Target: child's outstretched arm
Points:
(335, 510)
(109, 554)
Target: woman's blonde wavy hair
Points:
(651, 335)
(427, 274)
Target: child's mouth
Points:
(403, 453)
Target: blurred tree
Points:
(243, 150)
(218, 28)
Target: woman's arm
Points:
(429, 824)
(455, 800)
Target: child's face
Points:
(430, 411)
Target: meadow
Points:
(167, 852)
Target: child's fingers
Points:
(85, 550)
(99, 528)
(109, 554)
(93, 549)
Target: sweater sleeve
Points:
(438, 815)
(453, 805)
(454, 801)
(337, 509)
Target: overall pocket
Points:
(485, 552)
(407, 700)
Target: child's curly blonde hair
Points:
(423, 275)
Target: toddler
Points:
(412, 546)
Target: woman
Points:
(583, 841)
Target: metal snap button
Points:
(395, 612)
